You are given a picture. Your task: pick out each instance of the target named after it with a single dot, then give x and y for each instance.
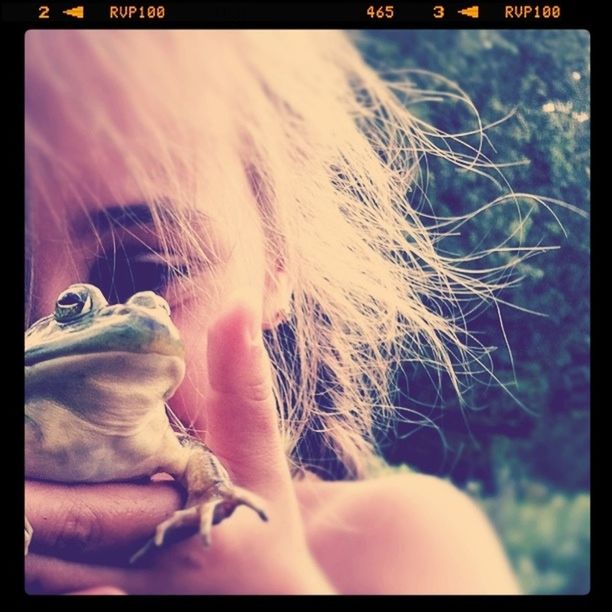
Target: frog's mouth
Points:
(57, 350)
(136, 332)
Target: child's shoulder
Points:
(403, 533)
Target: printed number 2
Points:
(43, 12)
(438, 12)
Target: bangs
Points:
(142, 105)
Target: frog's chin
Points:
(97, 381)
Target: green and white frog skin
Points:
(97, 378)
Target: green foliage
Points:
(540, 79)
(546, 534)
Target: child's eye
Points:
(121, 274)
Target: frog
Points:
(98, 378)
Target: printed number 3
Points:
(438, 12)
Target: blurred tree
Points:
(541, 79)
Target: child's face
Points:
(66, 250)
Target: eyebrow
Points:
(105, 219)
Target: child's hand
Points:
(109, 521)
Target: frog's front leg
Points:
(211, 498)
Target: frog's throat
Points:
(108, 388)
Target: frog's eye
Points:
(149, 299)
(72, 304)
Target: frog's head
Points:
(97, 359)
(83, 324)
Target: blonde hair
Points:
(330, 153)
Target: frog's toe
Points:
(181, 518)
(181, 525)
(242, 497)
(199, 517)
(207, 515)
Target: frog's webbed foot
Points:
(211, 498)
(201, 512)
(28, 534)
(212, 506)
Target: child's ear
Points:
(277, 297)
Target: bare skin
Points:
(358, 549)
(404, 534)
